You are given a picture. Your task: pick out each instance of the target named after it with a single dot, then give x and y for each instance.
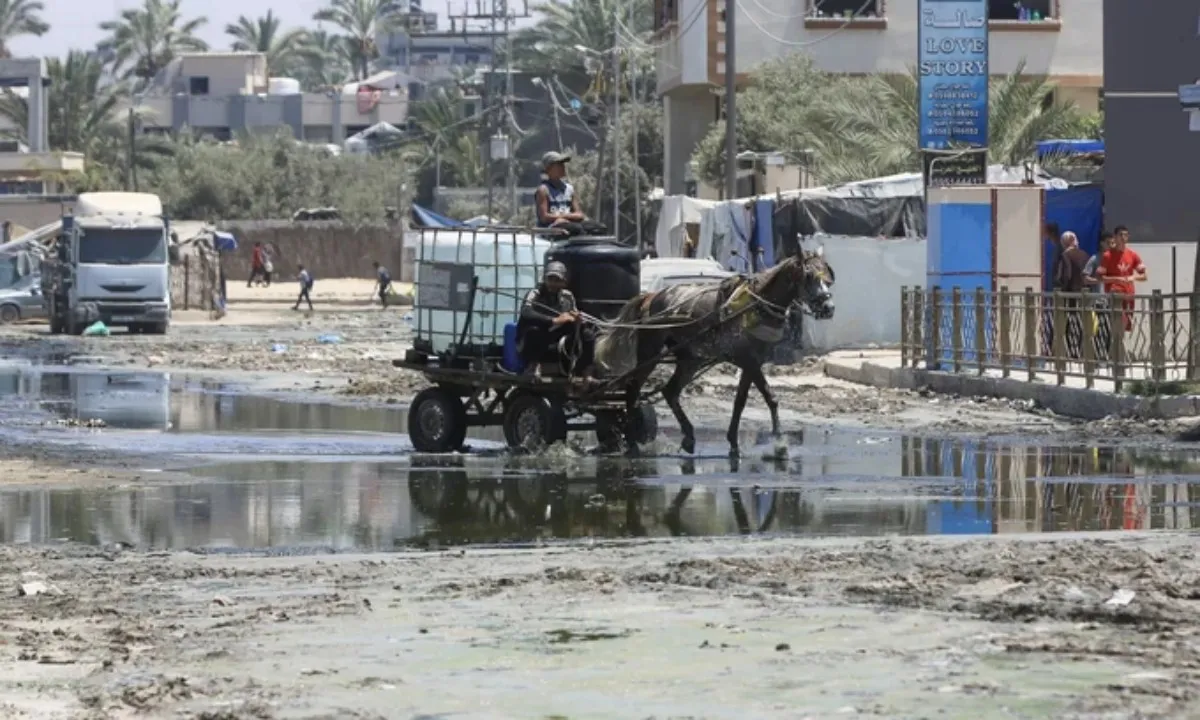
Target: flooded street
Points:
(262, 542)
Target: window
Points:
(429, 58)
(122, 247)
(666, 12)
(471, 59)
(1022, 10)
(849, 14)
(845, 9)
(198, 85)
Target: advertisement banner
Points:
(952, 63)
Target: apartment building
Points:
(1152, 155)
(223, 93)
(1058, 38)
(428, 54)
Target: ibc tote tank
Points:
(508, 265)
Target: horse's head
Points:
(813, 279)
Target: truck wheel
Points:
(609, 430)
(9, 313)
(156, 328)
(532, 422)
(645, 424)
(437, 421)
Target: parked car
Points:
(659, 273)
(22, 300)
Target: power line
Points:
(803, 43)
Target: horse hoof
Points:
(735, 451)
(632, 450)
(688, 447)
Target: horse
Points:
(739, 321)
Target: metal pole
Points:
(508, 107)
(616, 153)
(637, 174)
(130, 156)
(487, 99)
(730, 99)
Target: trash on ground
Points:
(1121, 598)
(96, 329)
(329, 339)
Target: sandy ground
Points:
(989, 628)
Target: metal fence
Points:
(1100, 338)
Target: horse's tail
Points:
(616, 349)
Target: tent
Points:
(425, 218)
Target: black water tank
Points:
(601, 272)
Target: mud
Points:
(718, 629)
(182, 549)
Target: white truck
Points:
(111, 263)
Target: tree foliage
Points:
(360, 21)
(266, 35)
(20, 17)
(144, 40)
(864, 127)
(272, 176)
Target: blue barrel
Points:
(512, 357)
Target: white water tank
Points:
(508, 265)
(283, 86)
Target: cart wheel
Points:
(531, 422)
(609, 431)
(645, 424)
(437, 421)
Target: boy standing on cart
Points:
(548, 317)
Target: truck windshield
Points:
(109, 246)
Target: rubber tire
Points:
(155, 328)
(551, 418)
(610, 432)
(9, 314)
(453, 412)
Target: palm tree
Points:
(83, 115)
(563, 26)
(20, 17)
(867, 127)
(264, 35)
(360, 20)
(142, 41)
(324, 60)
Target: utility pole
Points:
(489, 13)
(616, 61)
(636, 101)
(730, 99)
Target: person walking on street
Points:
(306, 284)
(1120, 267)
(258, 262)
(383, 283)
(1068, 278)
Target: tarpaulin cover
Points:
(224, 242)
(423, 217)
(1069, 147)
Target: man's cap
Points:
(553, 158)
(555, 270)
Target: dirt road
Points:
(718, 629)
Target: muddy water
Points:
(284, 474)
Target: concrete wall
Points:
(870, 272)
(688, 113)
(328, 250)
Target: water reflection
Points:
(941, 488)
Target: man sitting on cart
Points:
(548, 317)
(557, 206)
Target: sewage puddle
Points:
(272, 473)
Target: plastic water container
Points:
(507, 263)
(512, 355)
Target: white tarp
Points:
(870, 272)
(677, 211)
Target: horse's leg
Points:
(739, 404)
(756, 376)
(685, 371)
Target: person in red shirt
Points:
(1120, 267)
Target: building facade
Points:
(1151, 155)
(1061, 39)
(223, 93)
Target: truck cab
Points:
(111, 264)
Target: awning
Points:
(1069, 147)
